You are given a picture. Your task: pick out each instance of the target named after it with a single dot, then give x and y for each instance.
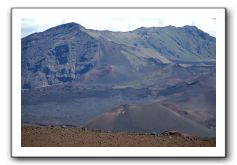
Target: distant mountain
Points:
(147, 80)
(72, 53)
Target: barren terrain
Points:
(52, 136)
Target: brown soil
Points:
(48, 136)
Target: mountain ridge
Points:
(66, 52)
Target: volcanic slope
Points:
(147, 118)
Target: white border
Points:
(18, 151)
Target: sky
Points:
(118, 19)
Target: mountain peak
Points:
(67, 26)
(57, 29)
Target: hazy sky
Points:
(118, 19)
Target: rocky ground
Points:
(60, 136)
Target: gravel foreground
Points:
(56, 136)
